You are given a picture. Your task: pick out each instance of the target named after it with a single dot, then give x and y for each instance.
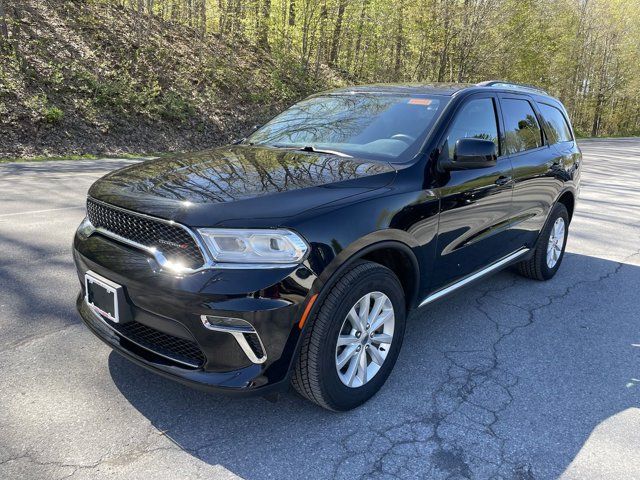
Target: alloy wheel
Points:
(556, 242)
(364, 339)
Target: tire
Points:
(537, 267)
(316, 375)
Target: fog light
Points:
(226, 323)
(244, 333)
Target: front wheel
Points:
(549, 250)
(353, 341)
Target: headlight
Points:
(255, 247)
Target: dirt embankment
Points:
(78, 77)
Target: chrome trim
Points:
(238, 333)
(203, 250)
(112, 287)
(208, 231)
(157, 255)
(99, 317)
(165, 264)
(480, 273)
(249, 266)
(154, 252)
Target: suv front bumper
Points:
(167, 334)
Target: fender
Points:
(391, 238)
(397, 239)
(568, 188)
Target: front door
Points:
(475, 205)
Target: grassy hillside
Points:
(81, 77)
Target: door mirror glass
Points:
(473, 153)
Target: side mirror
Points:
(472, 153)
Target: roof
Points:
(406, 88)
(438, 88)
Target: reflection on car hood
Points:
(238, 181)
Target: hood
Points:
(236, 182)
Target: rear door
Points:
(475, 204)
(533, 161)
(559, 135)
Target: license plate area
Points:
(104, 296)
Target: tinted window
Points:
(522, 131)
(555, 123)
(477, 119)
(379, 126)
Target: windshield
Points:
(377, 126)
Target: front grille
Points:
(179, 349)
(174, 242)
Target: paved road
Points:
(510, 379)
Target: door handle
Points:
(503, 180)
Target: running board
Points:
(475, 276)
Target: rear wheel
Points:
(353, 341)
(549, 250)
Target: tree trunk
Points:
(263, 34)
(601, 96)
(203, 17)
(4, 30)
(399, 41)
(337, 31)
(444, 53)
(292, 12)
(238, 15)
(356, 50)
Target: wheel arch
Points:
(391, 248)
(568, 199)
(371, 247)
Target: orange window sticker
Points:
(419, 101)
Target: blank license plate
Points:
(102, 295)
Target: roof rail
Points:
(511, 85)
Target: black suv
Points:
(294, 255)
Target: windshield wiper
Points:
(311, 148)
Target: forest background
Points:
(114, 76)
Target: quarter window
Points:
(477, 119)
(555, 124)
(522, 131)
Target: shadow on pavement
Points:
(507, 378)
(55, 167)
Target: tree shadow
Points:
(509, 378)
(64, 167)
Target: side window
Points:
(521, 129)
(477, 119)
(555, 124)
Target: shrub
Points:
(53, 115)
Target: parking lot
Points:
(511, 378)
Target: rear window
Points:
(555, 124)
(522, 131)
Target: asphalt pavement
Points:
(511, 378)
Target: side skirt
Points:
(474, 276)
